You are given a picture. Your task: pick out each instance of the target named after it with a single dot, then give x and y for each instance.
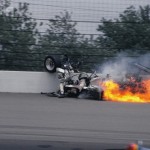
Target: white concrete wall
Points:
(28, 82)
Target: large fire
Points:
(139, 93)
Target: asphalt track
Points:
(36, 122)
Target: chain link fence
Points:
(32, 29)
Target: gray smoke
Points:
(145, 60)
(121, 65)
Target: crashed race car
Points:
(133, 81)
(73, 83)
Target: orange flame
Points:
(113, 92)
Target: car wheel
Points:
(51, 63)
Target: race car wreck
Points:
(73, 83)
(134, 87)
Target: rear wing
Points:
(146, 69)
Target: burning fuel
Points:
(136, 92)
(135, 87)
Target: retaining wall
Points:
(30, 82)
(27, 82)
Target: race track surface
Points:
(34, 121)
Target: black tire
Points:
(51, 63)
(94, 95)
(99, 96)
